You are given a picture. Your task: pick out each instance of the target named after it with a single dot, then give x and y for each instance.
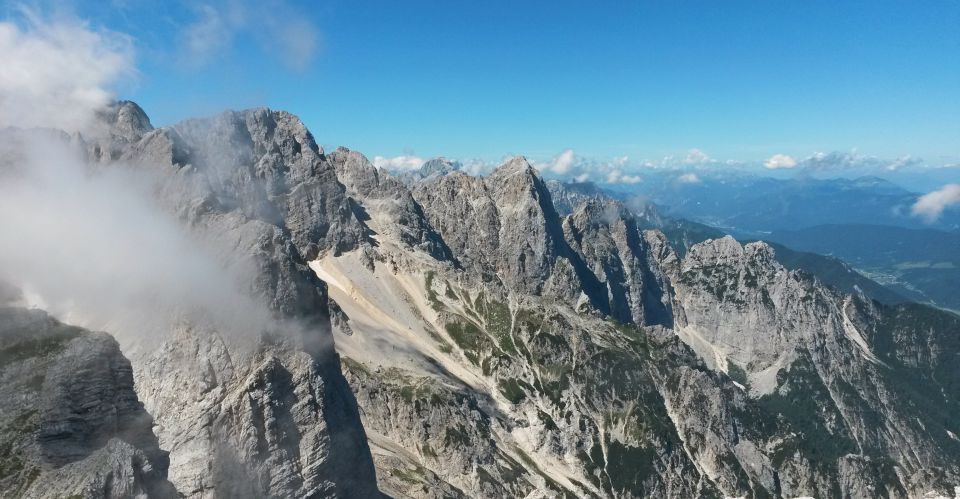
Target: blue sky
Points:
(645, 80)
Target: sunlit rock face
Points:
(250, 413)
(437, 334)
(580, 354)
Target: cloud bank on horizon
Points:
(571, 166)
(236, 53)
(78, 67)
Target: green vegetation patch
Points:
(416, 390)
(428, 451)
(802, 408)
(456, 436)
(442, 344)
(497, 320)
(737, 373)
(636, 337)
(432, 297)
(353, 366)
(415, 476)
(514, 390)
(38, 347)
(470, 338)
(629, 466)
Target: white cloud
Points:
(58, 74)
(931, 205)
(780, 161)
(278, 27)
(562, 164)
(902, 162)
(130, 267)
(476, 167)
(297, 40)
(688, 178)
(570, 166)
(617, 176)
(696, 157)
(821, 161)
(398, 163)
(211, 33)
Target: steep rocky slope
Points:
(683, 234)
(504, 228)
(445, 335)
(817, 363)
(482, 375)
(267, 413)
(70, 422)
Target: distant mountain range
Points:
(921, 264)
(752, 206)
(865, 222)
(684, 233)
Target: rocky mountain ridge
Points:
(723, 296)
(445, 335)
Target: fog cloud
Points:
(398, 163)
(616, 176)
(91, 244)
(94, 248)
(562, 164)
(697, 157)
(57, 74)
(278, 27)
(931, 205)
(689, 178)
(778, 161)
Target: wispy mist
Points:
(91, 244)
(278, 27)
(94, 248)
(57, 74)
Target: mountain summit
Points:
(449, 335)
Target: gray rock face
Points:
(432, 168)
(567, 197)
(438, 166)
(274, 422)
(402, 217)
(72, 423)
(530, 240)
(766, 383)
(127, 122)
(267, 416)
(266, 165)
(462, 211)
(597, 253)
(824, 366)
(606, 236)
(88, 398)
(490, 347)
(504, 230)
